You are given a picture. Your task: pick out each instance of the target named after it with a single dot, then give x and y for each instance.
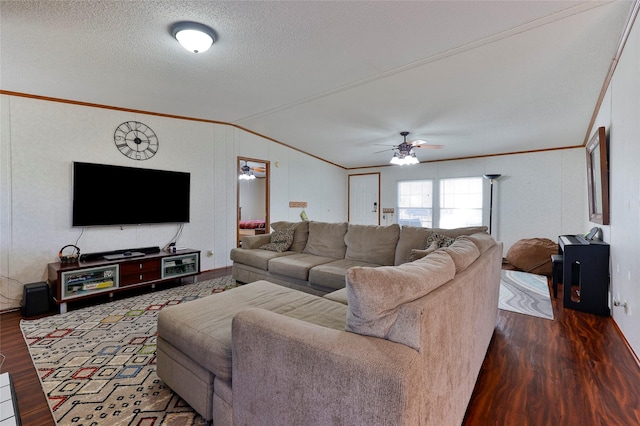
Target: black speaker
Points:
(36, 299)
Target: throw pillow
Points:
(300, 235)
(442, 240)
(419, 254)
(280, 240)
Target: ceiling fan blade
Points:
(428, 146)
(385, 150)
(259, 169)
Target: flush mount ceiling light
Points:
(194, 37)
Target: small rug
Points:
(97, 365)
(525, 293)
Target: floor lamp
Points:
(491, 179)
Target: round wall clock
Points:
(136, 140)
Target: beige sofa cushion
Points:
(371, 243)
(456, 232)
(297, 265)
(463, 252)
(331, 275)
(257, 258)
(411, 237)
(327, 239)
(338, 296)
(300, 234)
(375, 294)
(482, 240)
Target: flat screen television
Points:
(116, 195)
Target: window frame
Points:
(436, 187)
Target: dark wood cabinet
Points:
(73, 281)
(139, 271)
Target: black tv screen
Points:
(115, 195)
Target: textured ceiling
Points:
(334, 79)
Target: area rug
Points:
(525, 293)
(97, 365)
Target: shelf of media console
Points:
(85, 279)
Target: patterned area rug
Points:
(97, 365)
(525, 293)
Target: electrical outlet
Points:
(209, 253)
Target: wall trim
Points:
(205, 120)
(161, 114)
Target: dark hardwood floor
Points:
(576, 370)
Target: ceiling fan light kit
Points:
(404, 155)
(404, 160)
(246, 174)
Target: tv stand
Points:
(85, 279)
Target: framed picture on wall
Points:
(598, 177)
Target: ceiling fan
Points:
(245, 165)
(247, 171)
(403, 153)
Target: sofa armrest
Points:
(255, 241)
(291, 372)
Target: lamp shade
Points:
(194, 37)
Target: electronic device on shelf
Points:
(125, 255)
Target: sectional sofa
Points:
(321, 253)
(399, 345)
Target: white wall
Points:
(253, 198)
(619, 114)
(40, 140)
(539, 194)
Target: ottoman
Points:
(194, 340)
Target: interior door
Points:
(253, 197)
(364, 199)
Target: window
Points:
(458, 203)
(415, 203)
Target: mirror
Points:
(598, 177)
(252, 197)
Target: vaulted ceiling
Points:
(337, 80)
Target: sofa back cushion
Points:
(327, 239)
(456, 232)
(482, 240)
(411, 237)
(300, 233)
(376, 294)
(463, 252)
(372, 244)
